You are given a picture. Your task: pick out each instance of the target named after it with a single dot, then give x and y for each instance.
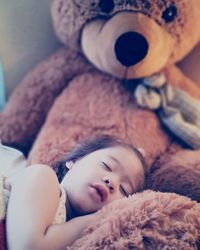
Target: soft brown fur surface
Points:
(177, 173)
(145, 221)
(84, 112)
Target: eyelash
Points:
(106, 166)
(122, 190)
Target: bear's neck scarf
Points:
(179, 111)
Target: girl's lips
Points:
(100, 191)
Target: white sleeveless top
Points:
(61, 215)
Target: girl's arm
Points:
(62, 235)
(31, 209)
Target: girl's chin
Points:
(81, 208)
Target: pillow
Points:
(12, 161)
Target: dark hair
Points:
(89, 146)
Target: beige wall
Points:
(26, 37)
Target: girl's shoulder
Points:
(40, 169)
(36, 173)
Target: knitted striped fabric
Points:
(179, 111)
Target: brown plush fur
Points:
(178, 173)
(26, 110)
(92, 114)
(78, 92)
(147, 221)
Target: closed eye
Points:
(121, 188)
(106, 166)
(123, 191)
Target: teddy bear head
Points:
(128, 38)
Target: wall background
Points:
(26, 37)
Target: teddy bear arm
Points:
(29, 104)
(177, 172)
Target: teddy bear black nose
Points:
(131, 48)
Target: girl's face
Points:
(101, 177)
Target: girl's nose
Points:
(110, 184)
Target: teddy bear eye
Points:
(169, 14)
(106, 5)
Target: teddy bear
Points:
(87, 87)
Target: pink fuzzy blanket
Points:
(149, 220)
